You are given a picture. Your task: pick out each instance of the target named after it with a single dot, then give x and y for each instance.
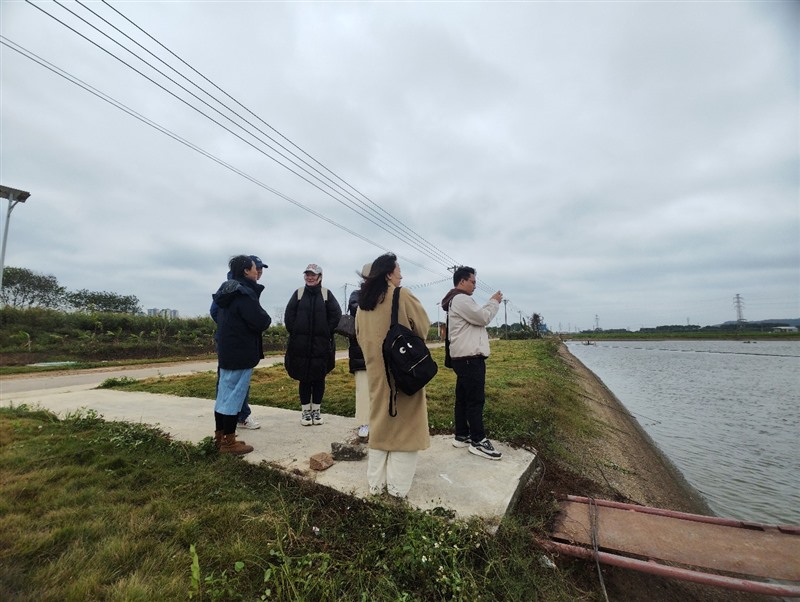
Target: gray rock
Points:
(347, 452)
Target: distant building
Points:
(170, 314)
(785, 329)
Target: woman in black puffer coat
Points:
(311, 352)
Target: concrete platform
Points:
(446, 477)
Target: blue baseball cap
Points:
(260, 265)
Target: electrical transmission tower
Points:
(738, 303)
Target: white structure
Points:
(170, 314)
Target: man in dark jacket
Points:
(245, 420)
(311, 317)
(240, 322)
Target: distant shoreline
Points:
(682, 336)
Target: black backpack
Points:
(406, 358)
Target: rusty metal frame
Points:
(654, 567)
(714, 520)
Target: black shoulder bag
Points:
(407, 359)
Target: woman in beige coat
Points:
(394, 441)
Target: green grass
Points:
(531, 399)
(86, 365)
(95, 510)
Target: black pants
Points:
(470, 397)
(311, 391)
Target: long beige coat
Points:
(408, 431)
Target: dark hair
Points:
(462, 273)
(374, 287)
(238, 265)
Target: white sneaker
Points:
(363, 431)
(249, 423)
(305, 418)
(485, 449)
(316, 417)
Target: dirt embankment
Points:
(625, 457)
(626, 461)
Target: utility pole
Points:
(596, 322)
(505, 302)
(345, 303)
(738, 303)
(14, 196)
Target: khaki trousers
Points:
(362, 397)
(393, 470)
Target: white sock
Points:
(306, 407)
(315, 406)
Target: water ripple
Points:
(727, 418)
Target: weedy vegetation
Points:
(96, 510)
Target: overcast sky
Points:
(621, 164)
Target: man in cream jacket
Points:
(469, 347)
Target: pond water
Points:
(727, 413)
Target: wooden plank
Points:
(766, 553)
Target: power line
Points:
(78, 82)
(332, 192)
(381, 209)
(419, 243)
(427, 284)
(340, 190)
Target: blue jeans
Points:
(233, 387)
(245, 411)
(470, 397)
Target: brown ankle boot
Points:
(218, 439)
(231, 446)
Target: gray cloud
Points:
(632, 161)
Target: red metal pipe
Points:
(654, 568)
(716, 520)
